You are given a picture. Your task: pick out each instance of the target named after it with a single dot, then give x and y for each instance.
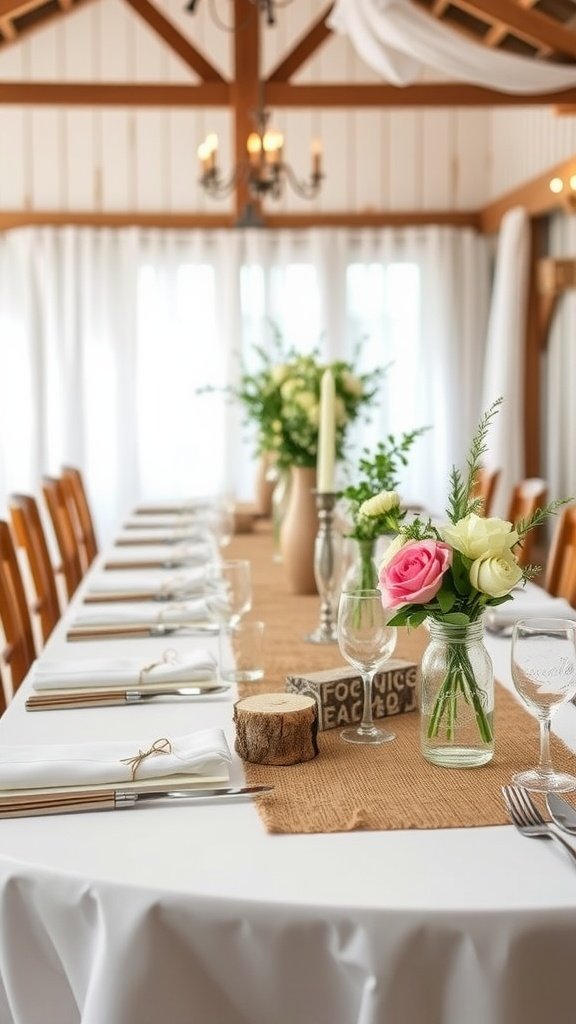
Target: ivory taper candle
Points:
(326, 434)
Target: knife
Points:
(155, 563)
(125, 542)
(101, 698)
(113, 632)
(562, 813)
(139, 595)
(66, 801)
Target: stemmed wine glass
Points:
(229, 590)
(544, 674)
(366, 641)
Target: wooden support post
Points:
(244, 91)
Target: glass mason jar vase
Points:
(457, 696)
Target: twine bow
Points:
(170, 657)
(161, 746)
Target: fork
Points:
(528, 820)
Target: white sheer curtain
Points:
(106, 337)
(560, 381)
(505, 350)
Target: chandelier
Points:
(264, 170)
(266, 7)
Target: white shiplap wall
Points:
(116, 159)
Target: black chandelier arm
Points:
(306, 189)
(219, 187)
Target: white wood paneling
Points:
(438, 160)
(471, 157)
(525, 142)
(405, 160)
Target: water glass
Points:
(241, 652)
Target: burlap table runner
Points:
(385, 787)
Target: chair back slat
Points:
(485, 487)
(77, 497)
(19, 651)
(66, 538)
(560, 578)
(527, 496)
(29, 534)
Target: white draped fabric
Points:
(106, 337)
(560, 408)
(399, 40)
(504, 373)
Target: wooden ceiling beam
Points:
(530, 23)
(7, 29)
(535, 196)
(278, 94)
(500, 30)
(406, 218)
(14, 8)
(303, 49)
(175, 40)
(431, 94)
(117, 94)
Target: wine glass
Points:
(366, 641)
(229, 590)
(544, 674)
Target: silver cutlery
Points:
(562, 813)
(102, 698)
(129, 596)
(528, 820)
(154, 563)
(22, 805)
(113, 632)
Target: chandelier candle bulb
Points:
(316, 158)
(326, 435)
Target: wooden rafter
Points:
(530, 23)
(11, 9)
(117, 94)
(175, 40)
(535, 196)
(7, 29)
(278, 94)
(303, 49)
(500, 29)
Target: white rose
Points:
(352, 384)
(340, 411)
(477, 537)
(495, 575)
(378, 504)
(279, 373)
(305, 399)
(392, 550)
(289, 387)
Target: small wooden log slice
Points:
(276, 728)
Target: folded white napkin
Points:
(203, 753)
(193, 667)
(154, 581)
(144, 613)
(166, 520)
(170, 554)
(167, 535)
(536, 608)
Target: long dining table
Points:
(196, 913)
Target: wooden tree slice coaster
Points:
(276, 728)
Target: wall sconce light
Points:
(565, 189)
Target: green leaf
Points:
(417, 618)
(401, 617)
(446, 599)
(456, 618)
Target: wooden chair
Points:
(19, 651)
(527, 496)
(77, 497)
(68, 545)
(560, 577)
(485, 488)
(30, 535)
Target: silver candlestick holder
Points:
(327, 568)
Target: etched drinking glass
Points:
(544, 674)
(366, 641)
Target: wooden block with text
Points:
(339, 694)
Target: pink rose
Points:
(414, 575)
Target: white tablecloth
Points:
(194, 914)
